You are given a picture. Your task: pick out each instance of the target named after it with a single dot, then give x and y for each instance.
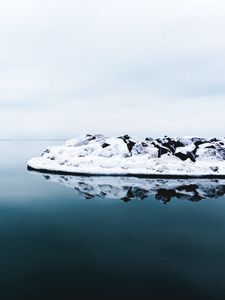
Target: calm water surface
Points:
(56, 244)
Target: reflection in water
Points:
(128, 188)
(55, 245)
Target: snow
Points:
(100, 155)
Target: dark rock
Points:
(149, 139)
(104, 145)
(45, 151)
(214, 140)
(168, 143)
(189, 192)
(130, 145)
(188, 188)
(191, 156)
(129, 195)
(162, 150)
(178, 143)
(184, 157)
(165, 195)
(214, 169)
(140, 193)
(126, 139)
(198, 141)
(194, 151)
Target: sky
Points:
(138, 67)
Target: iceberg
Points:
(162, 157)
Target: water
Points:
(56, 243)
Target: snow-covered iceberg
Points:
(163, 157)
(129, 188)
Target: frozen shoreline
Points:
(167, 157)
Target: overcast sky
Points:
(140, 67)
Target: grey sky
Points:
(112, 67)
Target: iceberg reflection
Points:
(128, 188)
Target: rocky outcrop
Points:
(97, 154)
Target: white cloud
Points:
(74, 64)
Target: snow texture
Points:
(100, 155)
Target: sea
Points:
(59, 241)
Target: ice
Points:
(100, 155)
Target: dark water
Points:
(56, 244)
